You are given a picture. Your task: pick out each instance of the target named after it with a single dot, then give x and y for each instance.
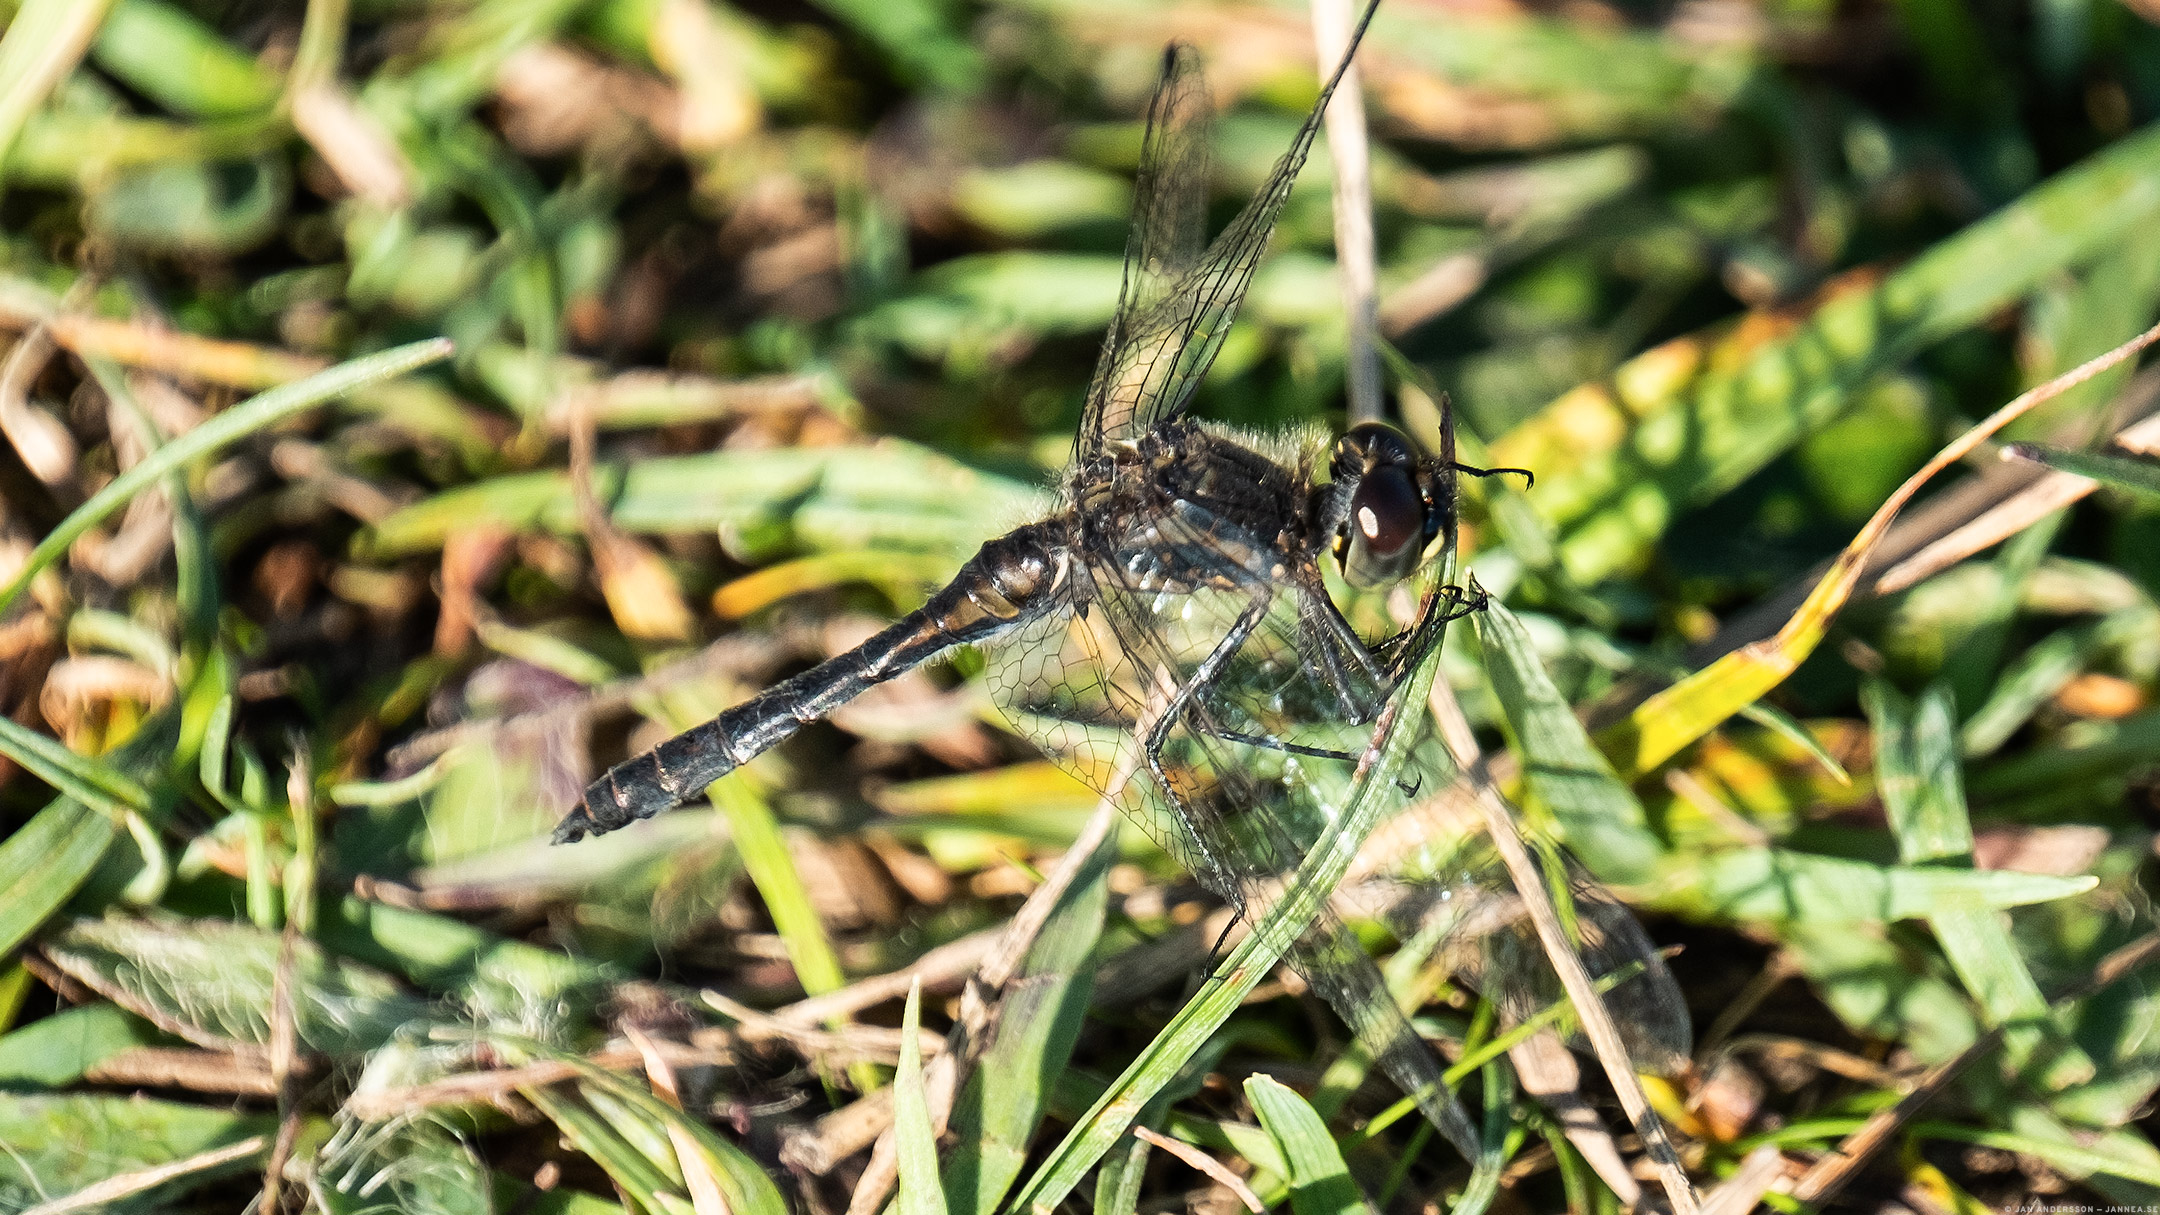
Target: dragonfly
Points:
(1169, 633)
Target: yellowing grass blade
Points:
(1677, 716)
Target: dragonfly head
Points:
(1381, 507)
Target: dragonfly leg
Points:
(1405, 649)
(1529, 478)
(1335, 639)
(1215, 951)
(1177, 701)
(1276, 744)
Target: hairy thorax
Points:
(1183, 507)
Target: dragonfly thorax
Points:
(1183, 507)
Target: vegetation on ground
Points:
(410, 407)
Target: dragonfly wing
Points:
(1169, 226)
(1453, 889)
(1177, 305)
(1223, 791)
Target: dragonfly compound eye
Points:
(1385, 533)
(1387, 522)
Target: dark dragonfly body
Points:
(1180, 479)
(1169, 635)
(1009, 581)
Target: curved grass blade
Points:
(591, 1135)
(1777, 884)
(1001, 1105)
(44, 42)
(1923, 790)
(241, 420)
(62, 1145)
(55, 1051)
(90, 781)
(1693, 418)
(1319, 1180)
(742, 1180)
(211, 982)
(45, 862)
(1598, 815)
(1660, 726)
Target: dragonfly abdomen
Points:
(1009, 581)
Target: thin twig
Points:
(813, 1041)
(1333, 21)
(41, 440)
(1215, 1169)
(1744, 1190)
(1779, 968)
(949, 963)
(1846, 571)
(1547, 1070)
(199, 1071)
(1834, 1171)
(127, 1185)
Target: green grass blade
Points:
(2071, 1157)
(2030, 680)
(212, 981)
(920, 1192)
(2128, 473)
(1597, 814)
(414, 1166)
(45, 862)
(235, 423)
(56, 1051)
(1783, 885)
(164, 53)
(1923, 791)
(742, 1181)
(44, 42)
(996, 1115)
(603, 1145)
(60, 1144)
(1117, 1181)
(891, 495)
(765, 857)
(1319, 1180)
(1690, 420)
(447, 955)
(90, 781)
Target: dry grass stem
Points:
(1590, 1010)
(121, 1186)
(1355, 258)
(1213, 1168)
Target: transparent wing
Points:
(1260, 758)
(1256, 755)
(1176, 305)
(1446, 887)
